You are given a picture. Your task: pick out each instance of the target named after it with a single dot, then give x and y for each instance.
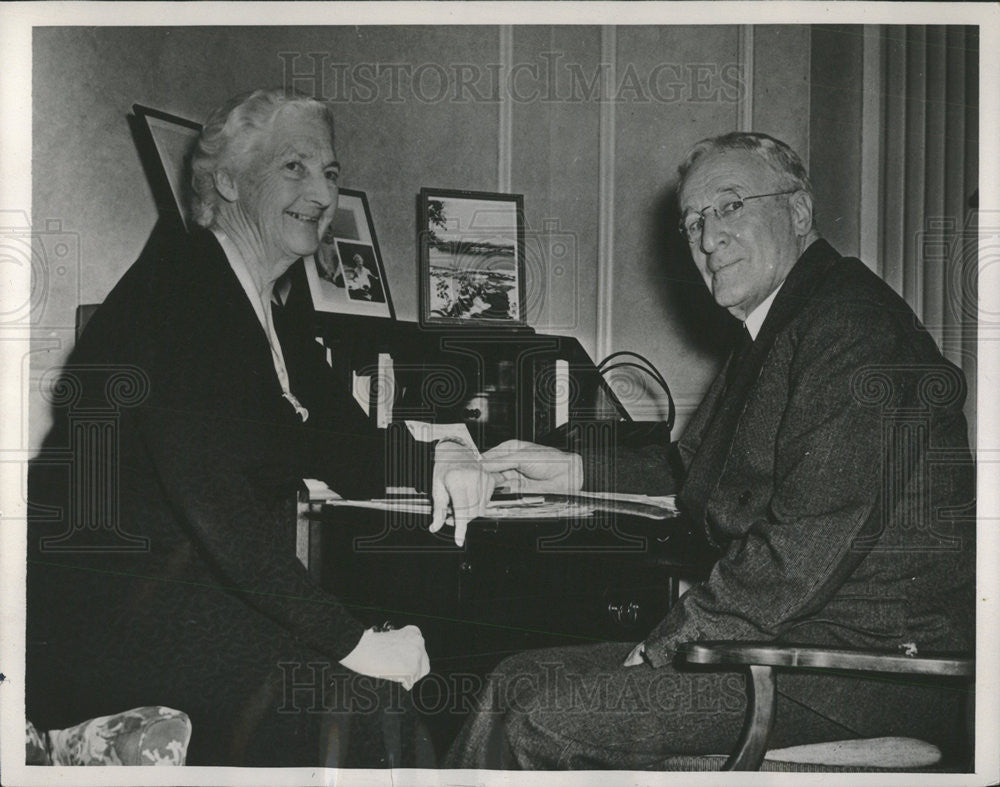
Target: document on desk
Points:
(650, 506)
(538, 506)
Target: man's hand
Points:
(526, 467)
(634, 659)
(460, 480)
(397, 655)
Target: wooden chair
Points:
(762, 659)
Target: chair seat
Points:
(889, 752)
(762, 660)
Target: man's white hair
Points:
(775, 153)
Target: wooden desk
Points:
(516, 584)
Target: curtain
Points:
(929, 182)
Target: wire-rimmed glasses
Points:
(727, 208)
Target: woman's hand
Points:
(527, 467)
(460, 483)
(397, 655)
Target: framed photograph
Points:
(171, 138)
(346, 274)
(471, 258)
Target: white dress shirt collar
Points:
(262, 308)
(756, 318)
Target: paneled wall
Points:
(837, 86)
(587, 122)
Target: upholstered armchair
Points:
(142, 736)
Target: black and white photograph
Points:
(471, 258)
(346, 275)
(359, 274)
(648, 441)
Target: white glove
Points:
(396, 655)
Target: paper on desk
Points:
(548, 506)
(318, 490)
(652, 506)
(539, 506)
(428, 433)
(668, 502)
(529, 507)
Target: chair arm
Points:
(735, 652)
(763, 657)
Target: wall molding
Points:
(606, 195)
(869, 218)
(505, 111)
(744, 56)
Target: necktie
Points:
(745, 341)
(741, 354)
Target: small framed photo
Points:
(172, 139)
(346, 274)
(471, 258)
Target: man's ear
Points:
(225, 184)
(802, 213)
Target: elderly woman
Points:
(185, 590)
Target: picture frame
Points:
(168, 141)
(346, 275)
(472, 268)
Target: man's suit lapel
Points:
(741, 372)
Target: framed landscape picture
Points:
(346, 274)
(471, 258)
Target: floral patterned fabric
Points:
(142, 736)
(37, 752)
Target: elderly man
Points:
(809, 464)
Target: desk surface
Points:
(541, 505)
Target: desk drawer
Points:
(516, 584)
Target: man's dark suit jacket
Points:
(830, 464)
(200, 596)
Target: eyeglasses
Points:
(727, 209)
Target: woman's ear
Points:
(225, 184)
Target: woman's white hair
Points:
(775, 153)
(229, 139)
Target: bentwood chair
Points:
(761, 660)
